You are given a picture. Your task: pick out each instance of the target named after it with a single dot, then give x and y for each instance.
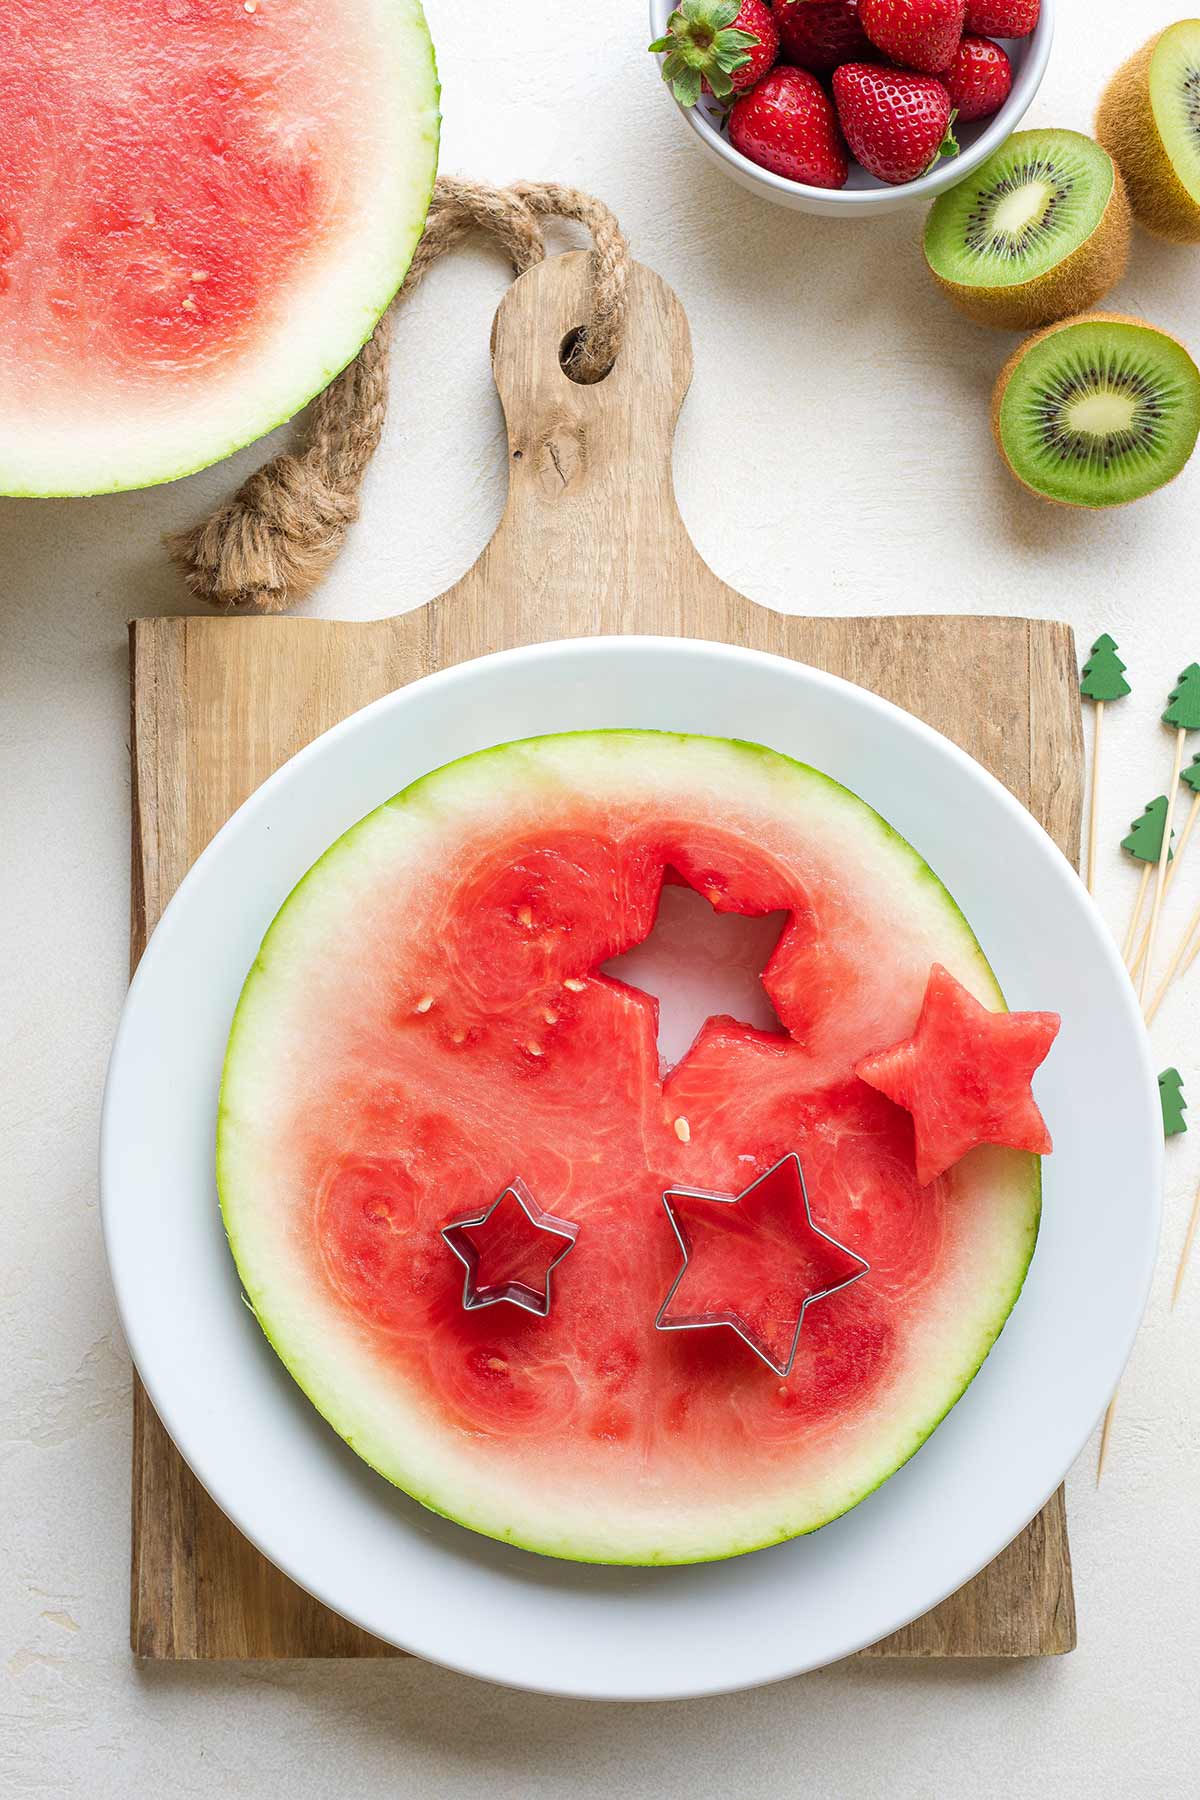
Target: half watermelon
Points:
(206, 206)
(427, 1021)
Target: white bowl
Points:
(863, 194)
(298, 1492)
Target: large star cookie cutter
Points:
(787, 1168)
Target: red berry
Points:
(786, 124)
(918, 34)
(1003, 18)
(895, 122)
(717, 47)
(978, 80)
(820, 34)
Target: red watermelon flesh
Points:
(426, 1021)
(206, 204)
(964, 1076)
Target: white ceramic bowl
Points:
(863, 194)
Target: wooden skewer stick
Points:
(1160, 879)
(1101, 680)
(1195, 952)
(1105, 1435)
(1185, 1253)
(1094, 801)
(1172, 866)
(1173, 967)
(1127, 948)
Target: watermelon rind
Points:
(396, 1437)
(321, 331)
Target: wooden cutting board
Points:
(591, 542)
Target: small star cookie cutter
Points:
(516, 1293)
(734, 1320)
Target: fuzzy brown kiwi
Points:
(1058, 435)
(1148, 112)
(1038, 232)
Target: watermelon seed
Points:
(550, 1016)
(189, 305)
(497, 1363)
(525, 915)
(535, 1050)
(199, 275)
(458, 1037)
(683, 1130)
(424, 1003)
(573, 986)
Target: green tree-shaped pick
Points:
(1144, 842)
(1191, 775)
(1170, 1092)
(1103, 675)
(1184, 709)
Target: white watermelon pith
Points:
(206, 206)
(425, 1022)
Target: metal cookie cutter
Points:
(732, 1318)
(518, 1293)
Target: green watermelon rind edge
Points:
(373, 310)
(564, 1550)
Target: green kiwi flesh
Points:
(1038, 232)
(1175, 97)
(1098, 411)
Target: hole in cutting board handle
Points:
(567, 349)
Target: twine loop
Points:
(275, 538)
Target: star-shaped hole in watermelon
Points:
(510, 1251)
(754, 1262)
(965, 1075)
(698, 964)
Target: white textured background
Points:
(833, 456)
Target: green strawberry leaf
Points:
(686, 87)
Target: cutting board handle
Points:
(591, 521)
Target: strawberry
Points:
(820, 34)
(720, 47)
(978, 80)
(896, 123)
(918, 34)
(1003, 18)
(786, 124)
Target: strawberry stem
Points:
(700, 47)
(948, 145)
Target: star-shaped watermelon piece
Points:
(965, 1075)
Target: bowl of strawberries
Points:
(852, 106)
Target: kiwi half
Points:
(1038, 232)
(1097, 411)
(1149, 121)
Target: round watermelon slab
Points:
(426, 1022)
(207, 204)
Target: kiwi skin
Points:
(1091, 271)
(1125, 125)
(1014, 362)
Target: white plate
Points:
(304, 1498)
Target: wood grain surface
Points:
(591, 542)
